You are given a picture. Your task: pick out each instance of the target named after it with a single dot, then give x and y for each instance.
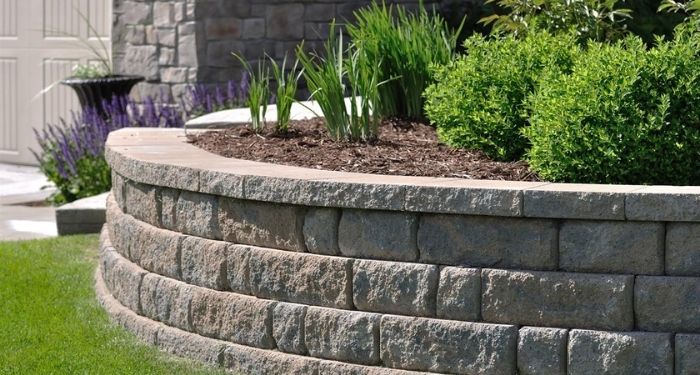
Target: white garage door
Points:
(34, 53)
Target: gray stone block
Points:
(219, 183)
(683, 249)
(378, 235)
(341, 335)
(321, 230)
(162, 14)
(119, 190)
(555, 299)
(285, 21)
(238, 268)
(262, 224)
(123, 279)
(168, 207)
(143, 60)
(302, 278)
(166, 300)
(633, 353)
(393, 287)
(197, 215)
(464, 200)
(612, 247)
(136, 12)
(82, 216)
(184, 344)
(488, 241)
(157, 250)
(687, 354)
(448, 346)
(253, 28)
(664, 203)
(204, 262)
(459, 294)
(225, 28)
(233, 317)
(250, 361)
(142, 203)
(166, 38)
(144, 329)
(667, 304)
(288, 327)
(542, 351)
(340, 368)
(552, 203)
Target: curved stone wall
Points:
(282, 270)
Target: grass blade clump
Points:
(333, 76)
(402, 46)
(258, 92)
(287, 83)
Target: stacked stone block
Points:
(293, 283)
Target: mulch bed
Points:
(404, 148)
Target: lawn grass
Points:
(51, 322)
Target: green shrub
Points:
(402, 46)
(624, 115)
(589, 19)
(478, 101)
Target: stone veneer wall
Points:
(268, 269)
(178, 42)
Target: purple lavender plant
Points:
(200, 99)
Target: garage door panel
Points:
(8, 106)
(60, 100)
(8, 18)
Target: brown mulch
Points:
(404, 148)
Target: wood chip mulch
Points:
(404, 148)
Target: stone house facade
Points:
(174, 43)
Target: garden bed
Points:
(404, 148)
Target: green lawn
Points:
(51, 322)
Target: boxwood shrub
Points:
(626, 114)
(478, 101)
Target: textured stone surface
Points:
(459, 294)
(288, 327)
(168, 208)
(321, 230)
(393, 287)
(204, 262)
(340, 368)
(184, 344)
(612, 247)
(664, 203)
(123, 279)
(250, 361)
(231, 317)
(119, 190)
(141, 202)
(157, 250)
(122, 228)
(262, 224)
(488, 242)
(687, 356)
(635, 353)
(197, 215)
(224, 184)
(143, 61)
(342, 335)
(378, 235)
(301, 278)
(555, 299)
(285, 21)
(238, 268)
(667, 304)
(166, 300)
(683, 249)
(464, 200)
(555, 203)
(542, 351)
(448, 346)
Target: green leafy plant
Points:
(625, 114)
(589, 19)
(258, 92)
(342, 71)
(402, 45)
(685, 6)
(287, 83)
(478, 101)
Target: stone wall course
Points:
(321, 230)
(204, 262)
(394, 287)
(633, 353)
(198, 215)
(480, 241)
(683, 249)
(459, 294)
(448, 346)
(667, 304)
(542, 351)
(612, 247)
(179, 343)
(288, 327)
(166, 300)
(557, 299)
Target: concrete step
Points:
(85, 215)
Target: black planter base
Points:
(92, 92)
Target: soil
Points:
(404, 148)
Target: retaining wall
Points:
(282, 270)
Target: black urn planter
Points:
(93, 91)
